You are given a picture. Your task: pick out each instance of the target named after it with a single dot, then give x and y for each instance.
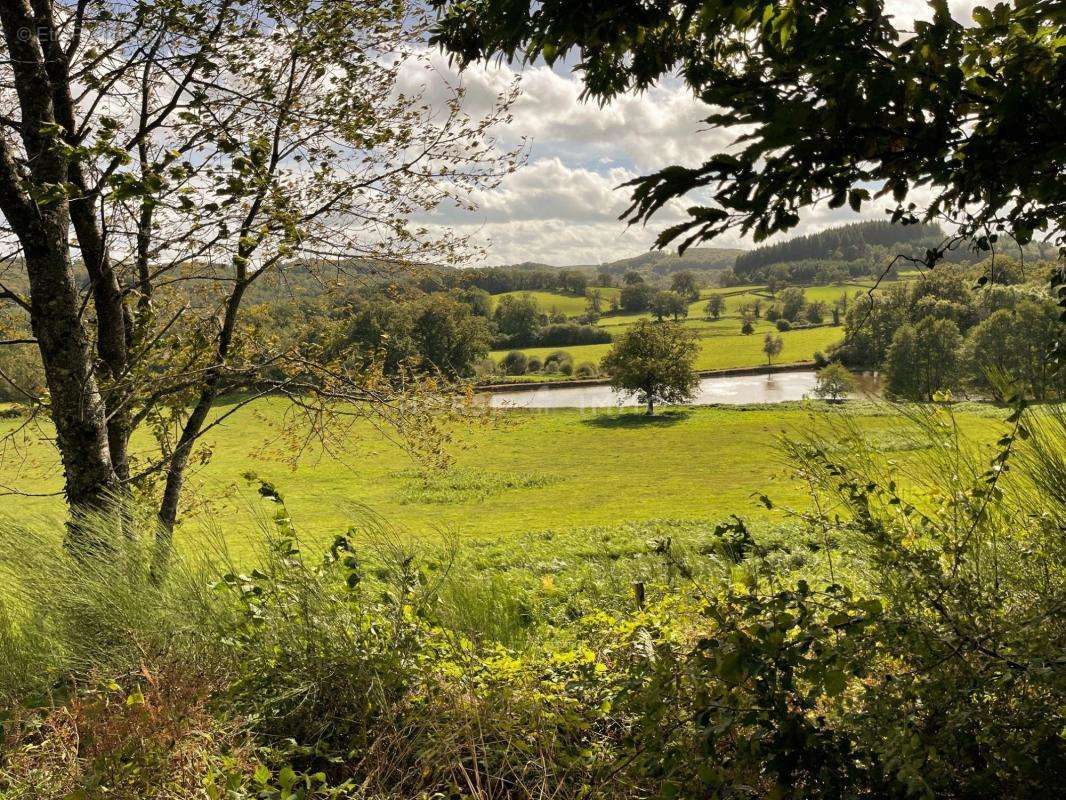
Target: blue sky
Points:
(562, 206)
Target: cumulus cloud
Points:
(563, 206)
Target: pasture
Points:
(722, 346)
(582, 475)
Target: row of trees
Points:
(938, 334)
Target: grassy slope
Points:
(547, 301)
(534, 471)
(721, 344)
(721, 348)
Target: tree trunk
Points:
(42, 222)
(77, 408)
(651, 406)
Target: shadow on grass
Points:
(638, 419)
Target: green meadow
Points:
(581, 474)
(722, 346)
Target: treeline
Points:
(939, 334)
(844, 243)
(498, 280)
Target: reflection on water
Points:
(728, 389)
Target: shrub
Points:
(554, 361)
(747, 327)
(586, 370)
(486, 368)
(820, 359)
(783, 325)
(534, 364)
(571, 334)
(515, 363)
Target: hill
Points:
(856, 241)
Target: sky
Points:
(562, 206)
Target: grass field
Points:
(548, 302)
(566, 471)
(722, 346)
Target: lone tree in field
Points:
(715, 306)
(159, 159)
(834, 383)
(655, 362)
(828, 99)
(772, 345)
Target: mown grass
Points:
(529, 472)
(722, 346)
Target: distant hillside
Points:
(661, 262)
(859, 240)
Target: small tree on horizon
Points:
(654, 361)
(772, 345)
(715, 306)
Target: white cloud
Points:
(563, 206)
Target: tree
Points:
(636, 297)
(632, 278)
(772, 345)
(1014, 344)
(449, 337)
(715, 306)
(792, 301)
(830, 98)
(815, 312)
(518, 319)
(747, 326)
(654, 362)
(923, 359)
(684, 283)
(834, 382)
(669, 304)
(186, 152)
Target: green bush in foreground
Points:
(920, 655)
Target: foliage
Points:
(517, 319)
(654, 361)
(835, 382)
(923, 360)
(979, 106)
(636, 297)
(669, 304)
(515, 363)
(684, 284)
(772, 346)
(715, 306)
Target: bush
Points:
(820, 359)
(557, 360)
(571, 334)
(784, 325)
(515, 363)
(534, 364)
(586, 370)
(486, 368)
(747, 327)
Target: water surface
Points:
(728, 389)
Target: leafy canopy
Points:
(831, 99)
(654, 360)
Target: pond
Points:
(728, 389)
